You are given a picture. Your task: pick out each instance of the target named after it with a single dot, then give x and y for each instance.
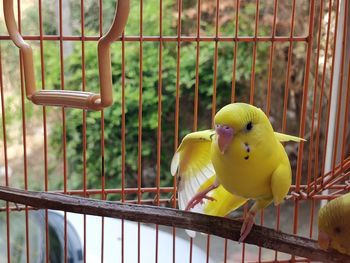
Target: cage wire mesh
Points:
(175, 65)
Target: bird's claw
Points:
(198, 200)
(209, 198)
(247, 226)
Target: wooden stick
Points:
(219, 226)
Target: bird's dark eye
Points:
(337, 230)
(249, 126)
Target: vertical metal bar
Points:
(103, 195)
(233, 87)
(243, 245)
(84, 118)
(103, 180)
(196, 99)
(314, 100)
(63, 128)
(319, 115)
(46, 186)
(123, 138)
(82, 28)
(290, 53)
(191, 249)
(269, 89)
(159, 129)
(208, 248)
(225, 250)
(303, 110)
(278, 210)
(312, 211)
(272, 48)
(139, 170)
(100, 18)
(252, 87)
(24, 137)
(4, 135)
(195, 113)
(261, 223)
(285, 102)
(177, 94)
(252, 78)
(213, 111)
(268, 95)
(177, 105)
(84, 181)
(213, 108)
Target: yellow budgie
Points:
(241, 159)
(334, 226)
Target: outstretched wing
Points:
(192, 165)
(285, 138)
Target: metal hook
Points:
(69, 98)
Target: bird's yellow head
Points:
(238, 118)
(333, 225)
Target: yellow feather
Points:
(224, 204)
(285, 138)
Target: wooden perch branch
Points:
(222, 227)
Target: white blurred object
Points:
(113, 241)
(3, 171)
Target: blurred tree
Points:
(112, 124)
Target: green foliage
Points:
(149, 76)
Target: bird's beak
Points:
(225, 135)
(323, 240)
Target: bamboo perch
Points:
(219, 226)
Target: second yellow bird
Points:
(241, 159)
(334, 226)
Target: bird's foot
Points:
(200, 196)
(198, 199)
(247, 226)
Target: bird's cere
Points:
(225, 135)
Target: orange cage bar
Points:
(290, 58)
